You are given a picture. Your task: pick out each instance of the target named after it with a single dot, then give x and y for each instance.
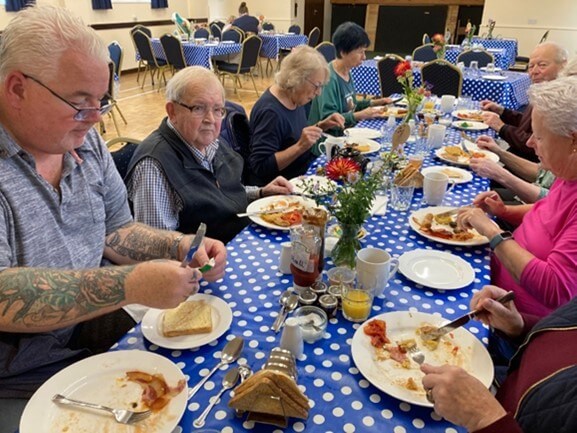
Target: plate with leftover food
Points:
(367, 133)
(474, 115)
(443, 228)
(456, 155)
(312, 183)
(380, 346)
(363, 145)
(455, 175)
(121, 379)
(199, 320)
(436, 269)
(470, 125)
(336, 231)
(290, 210)
(397, 112)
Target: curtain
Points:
(158, 4)
(101, 4)
(16, 5)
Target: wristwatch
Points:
(498, 238)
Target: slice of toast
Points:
(190, 317)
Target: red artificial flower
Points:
(339, 168)
(402, 68)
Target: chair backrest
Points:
(142, 28)
(482, 57)
(442, 77)
(232, 34)
(314, 36)
(123, 155)
(215, 30)
(235, 132)
(424, 53)
(327, 49)
(218, 23)
(144, 47)
(387, 77)
(250, 52)
(544, 37)
(295, 28)
(173, 51)
(267, 26)
(426, 39)
(116, 55)
(109, 97)
(201, 33)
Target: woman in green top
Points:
(339, 96)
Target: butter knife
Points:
(457, 323)
(198, 238)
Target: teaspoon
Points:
(228, 382)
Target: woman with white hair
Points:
(281, 141)
(539, 260)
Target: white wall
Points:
(528, 20)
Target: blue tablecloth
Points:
(198, 54)
(511, 93)
(509, 45)
(272, 44)
(500, 57)
(342, 399)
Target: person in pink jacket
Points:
(539, 260)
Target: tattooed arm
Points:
(38, 299)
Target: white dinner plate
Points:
(227, 42)
(367, 146)
(389, 376)
(467, 115)
(420, 214)
(100, 379)
(221, 319)
(398, 112)
(469, 125)
(318, 183)
(436, 269)
(464, 161)
(494, 77)
(367, 133)
(456, 175)
(277, 200)
(484, 68)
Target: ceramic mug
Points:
(436, 136)
(331, 146)
(435, 187)
(375, 265)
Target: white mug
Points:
(436, 136)
(284, 265)
(447, 103)
(375, 266)
(435, 187)
(331, 146)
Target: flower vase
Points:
(345, 250)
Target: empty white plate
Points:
(494, 77)
(436, 269)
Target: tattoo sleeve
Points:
(138, 243)
(40, 298)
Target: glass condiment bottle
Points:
(316, 218)
(305, 256)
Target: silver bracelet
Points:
(175, 244)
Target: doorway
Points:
(314, 15)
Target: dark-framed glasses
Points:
(318, 87)
(82, 114)
(202, 110)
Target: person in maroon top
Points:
(545, 63)
(539, 393)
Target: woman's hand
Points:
(368, 113)
(460, 398)
(491, 202)
(487, 105)
(505, 318)
(335, 120)
(381, 101)
(487, 143)
(477, 219)
(486, 168)
(309, 137)
(493, 120)
(278, 186)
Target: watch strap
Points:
(498, 238)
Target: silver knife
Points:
(198, 238)
(457, 323)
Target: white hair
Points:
(570, 69)
(561, 54)
(556, 101)
(36, 38)
(299, 65)
(190, 79)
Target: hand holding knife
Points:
(195, 245)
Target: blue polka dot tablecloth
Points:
(272, 44)
(499, 55)
(341, 399)
(509, 45)
(510, 93)
(198, 54)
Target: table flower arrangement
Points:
(470, 32)
(414, 96)
(491, 28)
(439, 43)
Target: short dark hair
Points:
(348, 37)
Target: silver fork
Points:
(122, 416)
(416, 354)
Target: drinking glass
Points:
(474, 66)
(357, 302)
(490, 67)
(401, 196)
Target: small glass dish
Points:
(312, 321)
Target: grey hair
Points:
(561, 54)
(570, 69)
(299, 65)
(36, 38)
(556, 101)
(189, 79)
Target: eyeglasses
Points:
(202, 110)
(82, 114)
(318, 87)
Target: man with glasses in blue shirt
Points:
(63, 208)
(181, 175)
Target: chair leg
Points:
(121, 115)
(115, 122)
(253, 83)
(138, 71)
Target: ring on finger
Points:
(429, 394)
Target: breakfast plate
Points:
(485, 69)
(469, 125)
(276, 202)
(436, 269)
(336, 231)
(388, 375)
(494, 77)
(319, 184)
(397, 112)
(455, 155)
(363, 145)
(455, 174)
(221, 319)
(468, 115)
(227, 42)
(101, 379)
(367, 133)
(416, 222)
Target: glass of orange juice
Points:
(357, 302)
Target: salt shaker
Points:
(292, 337)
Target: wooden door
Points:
(314, 16)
